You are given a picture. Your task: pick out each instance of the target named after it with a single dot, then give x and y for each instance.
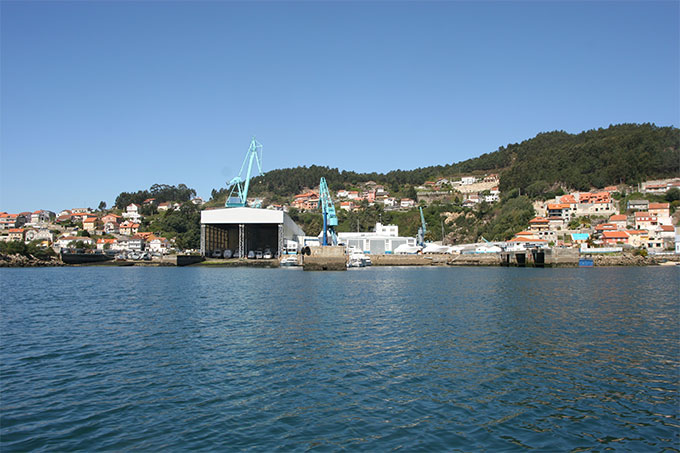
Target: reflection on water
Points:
(370, 359)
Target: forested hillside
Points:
(625, 153)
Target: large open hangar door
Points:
(220, 237)
(261, 237)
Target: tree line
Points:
(624, 153)
(161, 192)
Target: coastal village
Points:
(598, 221)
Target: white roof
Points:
(241, 215)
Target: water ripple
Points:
(372, 359)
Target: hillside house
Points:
(655, 188)
(132, 212)
(556, 223)
(539, 224)
(8, 221)
(129, 228)
(69, 241)
(637, 205)
(111, 227)
(159, 244)
(133, 208)
(637, 238)
(390, 202)
(620, 220)
(347, 205)
(90, 224)
(306, 201)
(645, 221)
(407, 203)
(614, 237)
(106, 243)
(662, 211)
(17, 234)
(42, 234)
(111, 218)
(42, 217)
(165, 206)
(562, 210)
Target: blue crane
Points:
(422, 229)
(238, 195)
(330, 219)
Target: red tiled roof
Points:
(605, 226)
(615, 235)
(617, 218)
(659, 205)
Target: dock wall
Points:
(325, 258)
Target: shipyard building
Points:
(244, 229)
(384, 240)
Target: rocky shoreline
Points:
(17, 260)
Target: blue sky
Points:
(103, 97)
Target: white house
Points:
(467, 180)
(343, 193)
(407, 203)
(390, 202)
(41, 217)
(347, 205)
(159, 245)
(39, 235)
(106, 243)
(69, 241)
(111, 227)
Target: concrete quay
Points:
(324, 258)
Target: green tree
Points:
(673, 195)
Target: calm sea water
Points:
(374, 359)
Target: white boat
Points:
(435, 248)
(290, 260)
(358, 258)
(488, 249)
(405, 249)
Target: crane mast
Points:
(421, 230)
(238, 195)
(330, 218)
